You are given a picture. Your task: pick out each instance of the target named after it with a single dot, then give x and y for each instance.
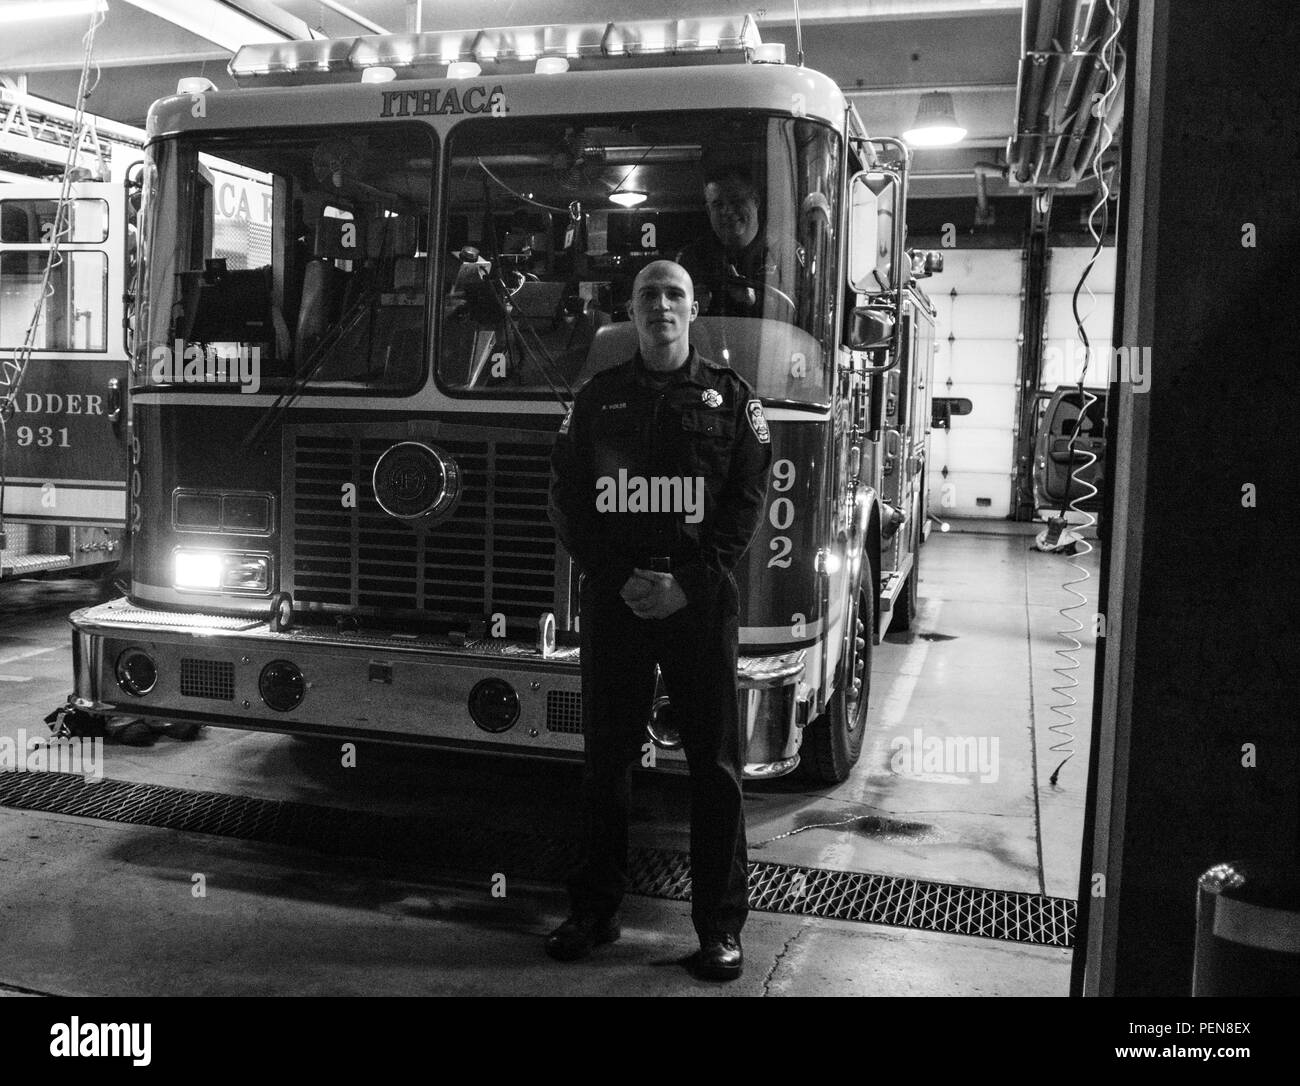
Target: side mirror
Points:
(872, 206)
(869, 328)
(942, 409)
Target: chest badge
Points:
(711, 397)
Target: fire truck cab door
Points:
(66, 444)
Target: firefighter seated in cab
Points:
(735, 267)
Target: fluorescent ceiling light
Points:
(628, 198)
(229, 27)
(48, 9)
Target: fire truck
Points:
(351, 368)
(64, 364)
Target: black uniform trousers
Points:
(695, 649)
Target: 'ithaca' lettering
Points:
(434, 102)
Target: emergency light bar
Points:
(505, 50)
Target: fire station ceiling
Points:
(883, 53)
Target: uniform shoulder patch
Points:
(758, 421)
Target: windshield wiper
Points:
(297, 384)
(321, 352)
(542, 357)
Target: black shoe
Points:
(579, 935)
(133, 733)
(719, 957)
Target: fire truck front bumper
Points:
(485, 694)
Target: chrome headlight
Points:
(221, 571)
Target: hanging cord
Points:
(1065, 671)
(14, 368)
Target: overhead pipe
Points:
(1057, 41)
(1085, 89)
(984, 214)
(1046, 38)
(1091, 136)
(1027, 81)
(1076, 118)
(1080, 97)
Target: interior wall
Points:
(1197, 755)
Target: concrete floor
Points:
(91, 907)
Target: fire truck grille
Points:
(564, 711)
(213, 679)
(495, 553)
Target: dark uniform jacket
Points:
(730, 279)
(705, 424)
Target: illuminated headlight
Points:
(246, 573)
(215, 571)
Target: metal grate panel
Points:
(773, 887)
(129, 613)
(564, 711)
(495, 553)
(35, 563)
(212, 679)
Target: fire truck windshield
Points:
(548, 219)
(278, 256)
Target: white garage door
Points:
(1063, 354)
(977, 358)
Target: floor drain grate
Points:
(780, 888)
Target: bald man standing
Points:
(659, 476)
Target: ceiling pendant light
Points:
(936, 122)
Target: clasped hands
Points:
(652, 595)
